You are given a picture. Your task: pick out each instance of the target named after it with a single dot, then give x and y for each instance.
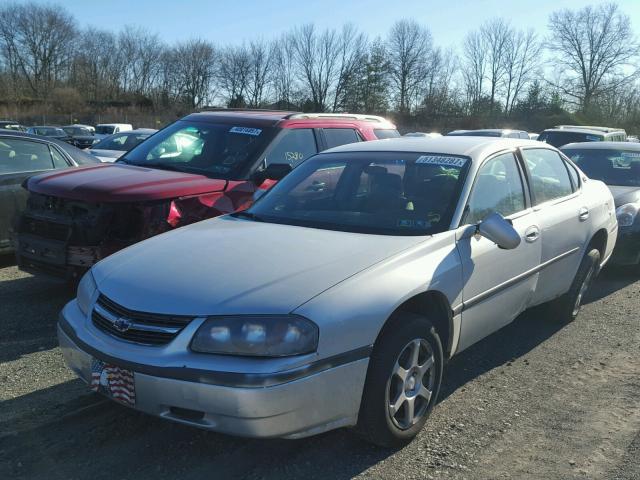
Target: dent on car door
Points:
(19, 159)
(564, 220)
(498, 283)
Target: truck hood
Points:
(234, 266)
(623, 195)
(122, 183)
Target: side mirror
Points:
(274, 171)
(495, 228)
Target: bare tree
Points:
(38, 43)
(521, 61)
(474, 66)
(596, 47)
(95, 70)
(194, 64)
(284, 71)
(351, 46)
(495, 37)
(408, 46)
(140, 53)
(261, 60)
(233, 75)
(317, 58)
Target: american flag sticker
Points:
(115, 382)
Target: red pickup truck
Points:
(204, 165)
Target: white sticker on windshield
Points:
(246, 131)
(441, 160)
(631, 154)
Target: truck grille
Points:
(137, 327)
(45, 229)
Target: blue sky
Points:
(234, 21)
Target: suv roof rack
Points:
(247, 110)
(346, 116)
(591, 127)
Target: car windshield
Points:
(612, 166)
(105, 129)
(215, 150)
(76, 131)
(558, 139)
(49, 131)
(389, 193)
(121, 141)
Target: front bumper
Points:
(305, 406)
(627, 249)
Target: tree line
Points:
(584, 68)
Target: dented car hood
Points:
(234, 266)
(122, 183)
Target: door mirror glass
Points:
(498, 230)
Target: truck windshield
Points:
(613, 167)
(385, 193)
(216, 150)
(558, 139)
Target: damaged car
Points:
(204, 165)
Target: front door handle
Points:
(532, 234)
(583, 214)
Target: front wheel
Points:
(403, 380)
(567, 307)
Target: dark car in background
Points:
(23, 155)
(12, 125)
(204, 165)
(81, 137)
(561, 135)
(111, 148)
(618, 165)
(51, 132)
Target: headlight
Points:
(257, 335)
(86, 289)
(627, 214)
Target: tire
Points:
(395, 348)
(567, 307)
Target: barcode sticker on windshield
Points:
(246, 131)
(631, 154)
(443, 161)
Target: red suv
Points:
(204, 165)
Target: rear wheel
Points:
(403, 380)
(567, 307)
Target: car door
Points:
(19, 159)
(498, 284)
(564, 220)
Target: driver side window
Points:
(498, 188)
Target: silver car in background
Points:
(335, 300)
(111, 148)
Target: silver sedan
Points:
(335, 300)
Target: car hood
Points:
(122, 183)
(622, 195)
(234, 266)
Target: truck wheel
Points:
(567, 307)
(403, 381)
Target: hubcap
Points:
(410, 387)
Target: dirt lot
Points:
(535, 400)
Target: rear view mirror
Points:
(495, 228)
(274, 171)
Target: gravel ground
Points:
(535, 400)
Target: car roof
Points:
(589, 131)
(602, 146)
(488, 130)
(112, 124)
(475, 147)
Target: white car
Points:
(335, 300)
(111, 148)
(105, 129)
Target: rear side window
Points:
(381, 134)
(58, 159)
(498, 188)
(292, 147)
(340, 136)
(24, 156)
(549, 175)
(575, 178)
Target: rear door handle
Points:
(583, 214)
(532, 234)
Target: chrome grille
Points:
(138, 327)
